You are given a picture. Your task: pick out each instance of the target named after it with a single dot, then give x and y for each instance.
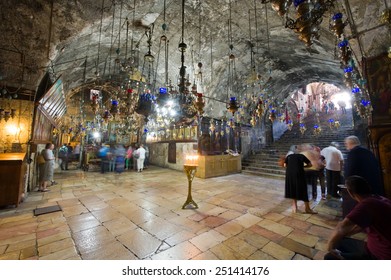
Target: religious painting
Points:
(377, 71)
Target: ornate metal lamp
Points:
(190, 167)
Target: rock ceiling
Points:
(80, 40)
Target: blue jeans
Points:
(351, 249)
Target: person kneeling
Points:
(371, 214)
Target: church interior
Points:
(216, 90)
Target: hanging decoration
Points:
(308, 16)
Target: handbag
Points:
(40, 159)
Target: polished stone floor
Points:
(139, 216)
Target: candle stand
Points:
(190, 171)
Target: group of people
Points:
(364, 207)
(117, 158)
(67, 153)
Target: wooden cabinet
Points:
(12, 178)
(218, 165)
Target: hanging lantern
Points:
(331, 123)
(290, 124)
(199, 104)
(317, 129)
(106, 116)
(272, 115)
(259, 109)
(253, 120)
(114, 108)
(302, 128)
(233, 105)
(212, 127)
(364, 108)
(337, 25)
(337, 124)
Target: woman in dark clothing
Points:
(295, 181)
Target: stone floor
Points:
(139, 216)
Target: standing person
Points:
(129, 158)
(104, 163)
(48, 168)
(141, 157)
(372, 214)
(334, 162)
(362, 162)
(316, 170)
(295, 180)
(76, 153)
(63, 155)
(146, 161)
(119, 153)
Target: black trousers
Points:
(333, 178)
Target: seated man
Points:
(371, 214)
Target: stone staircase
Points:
(265, 162)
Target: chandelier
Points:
(308, 16)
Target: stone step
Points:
(262, 174)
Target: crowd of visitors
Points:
(358, 180)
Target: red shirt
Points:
(373, 214)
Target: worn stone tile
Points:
(275, 227)
(10, 256)
(253, 238)
(207, 240)
(229, 229)
(119, 226)
(93, 238)
(276, 217)
(28, 253)
(213, 221)
(277, 251)
(297, 247)
(223, 252)
(247, 220)
(241, 246)
(55, 246)
(296, 223)
(18, 239)
(179, 237)
(300, 257)
(182, 251)
(141, 243)
(259, 255)
(109, 251)
(208, 255)
(266, 233)
(3, 248)
(64, 254)
(21, 245)
(303, 238)
(160, 228)
(321, 232)
(82, 222)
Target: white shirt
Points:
(141, 152)
(333, 158)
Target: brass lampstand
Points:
(190, 168)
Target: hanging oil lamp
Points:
(272, 115)
(233, 105)
(199, 104)
(317, 129)
(302, 128)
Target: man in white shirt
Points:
(141, 157)
(334, 162)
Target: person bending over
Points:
(371, 215)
